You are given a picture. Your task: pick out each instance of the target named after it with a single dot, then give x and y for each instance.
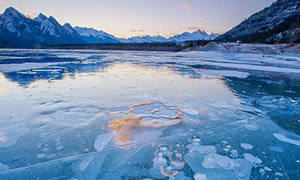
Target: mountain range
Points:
(19, 31)
(278, 23)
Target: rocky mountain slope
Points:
(278, 23)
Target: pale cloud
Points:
(186, 5)
(137, 30)
(194, 28)
(2, 2)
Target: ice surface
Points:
(10, 135)
(148, 115)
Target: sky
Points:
(126, 18)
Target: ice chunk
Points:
(10, 135)
(202, 149)
(218, 167)
(3, 167)
(102, 140)
(283, 138)
(251, 158)
(276, 149)
(246, 146)
(85, 162)
(212, 161)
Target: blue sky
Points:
(126, 18)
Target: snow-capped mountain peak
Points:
(40, 18)
(196, 35)
(12, 12)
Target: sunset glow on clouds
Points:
(126, 18)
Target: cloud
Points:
(137, 30)
(2, 2)
(186, 5)
(194, 28)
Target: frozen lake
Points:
(113, 115)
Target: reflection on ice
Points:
(139, 115)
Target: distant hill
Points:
(278, 23)
(18, 31)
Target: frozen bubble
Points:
(262, 171)
(246, 146)
(276, 149)
(166, 112)
(42, 155)
(267, 169)
(191, 112)
(178, 155)
(119, 109)
(283, 138)
(51, 156)
(163, 148)
(196, 140)
(234, 154)
(3, 167)
(251, 127)
(224, 142)
(102, 140)
(251, 158)
(200, 176)
(59, 147)
(278, 174)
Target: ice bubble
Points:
(167, 113)
(59, 147)
(3, 167)
(251, 127)
(200, 176)
(276, 149)
(267, 169)
(234, 154)
(262, 172)
(283, 138)
(246, 146)
(45, 149)
(119, 109)
(102, 140)
(251, 158)
(191, 112)
(278, 174)
(42, 155)
(163, 148)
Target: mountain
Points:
(196, 35)
(18, 31)
(93, 36)
(144, 39)
(278, 23)
(186, 36)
